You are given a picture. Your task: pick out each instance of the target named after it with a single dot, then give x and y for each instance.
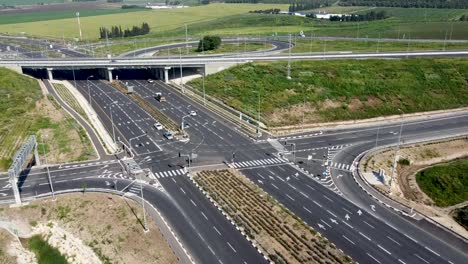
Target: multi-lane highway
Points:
(333, 202)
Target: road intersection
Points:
(320, 187)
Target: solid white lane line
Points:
(394, 241)
(414, 240)
(365, 236)
(419, 257)
(326, 197)
(382, 248)
(212, 252)
(368, 224)
(204, 215)
(435, 253)
(350, 226)
(332, 213)
(319, 205)
(376, 260)
(233, 249)
(216, 229)
(350, 241)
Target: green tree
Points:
(209, 43)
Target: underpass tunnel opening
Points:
(36, 73)
(77, 74)
(174, 72)
(135, 74)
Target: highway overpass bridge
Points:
(161, 68)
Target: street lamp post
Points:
(180, 65)
(182, 126)
(258, 112)
(395, 160)
(289, 59)
(112, 120)
(48, 171)
(89, 92)
(293, 145)
(203, 84)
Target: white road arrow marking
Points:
(288, 178)
(359, 212)
(339, 176)
(259, 181)
(333, 221)
(347, 217)
(321, 226)
(372, 207)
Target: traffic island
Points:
(274, 230)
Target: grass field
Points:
(341, 89)
(159, 20)
(45, 253)
(316, 45)
(55, 15)
(24, 111)
(445, 184)
(224, 48)
(30, 2)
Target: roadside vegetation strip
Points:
(284, 237)
(445, 184)
(45, 253)
(166, 121)
(68, 97)
(340, 90)
(320, 46)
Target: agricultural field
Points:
(159, 20)
(317, 45)
(445, 184)
(335, 90)
(10, 18)
(281, 234)
(25, 111)
(30, 2)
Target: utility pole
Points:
(289, 60)
(186, 40)
(48, 171)
(203, 84)
(145, 223)
(79, 24)
(180, 63)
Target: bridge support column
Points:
(109, 74)
(49, 74)
(166, 74)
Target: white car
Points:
(150, 81)
(158, 126)
(192, 113)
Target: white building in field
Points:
(164, 7)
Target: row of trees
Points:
(209, 43)
(406, 3)
(116, 31)
(266, 11)
(365, 17)
(464, 18)
(298, 5)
